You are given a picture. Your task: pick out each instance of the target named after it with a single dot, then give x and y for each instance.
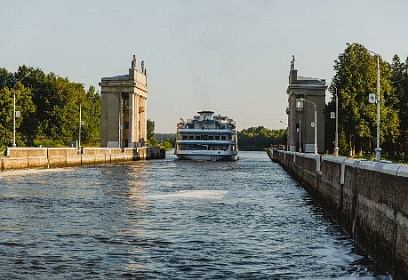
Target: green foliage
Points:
(151, 140)
(399, 81)
(161, 140)
(6, 115)
(90, 131)
(167, 145)
(343, 148)
(47, 142)
(356, 77)
(49, 107)
(166, 140)
(24, 105)
(259, 138)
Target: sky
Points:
(229, 56)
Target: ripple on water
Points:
(171, 220)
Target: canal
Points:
(169, 219)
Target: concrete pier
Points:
(368, 199)
(21, 158)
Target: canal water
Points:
(168, 219)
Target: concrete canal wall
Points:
(369, 199)
(21, 158)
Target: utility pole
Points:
(14, 109)
(378, 148)
(80, 124)
(336, 133)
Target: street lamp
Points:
(14, 116)
(287, 137)
(80, 124)
(336, 133)
(14, 109)
(378, 148)
(315, 123)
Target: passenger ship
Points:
(207, 137)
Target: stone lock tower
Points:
(306, 107)
(124, 108)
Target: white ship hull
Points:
(200, 156)
(207, 138)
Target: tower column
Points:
(131, 119)
(136, 123)
(292, 123)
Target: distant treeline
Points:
(164, 140)
(259, 138)
(251, 139)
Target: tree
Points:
(355, 78)
(56, 120)
(167, 145)
(49, 107)
(24, 105)
(400, 88)
(151, 140)
(91, 116)
(259, 138)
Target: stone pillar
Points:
(145, 119)
(292, 123)
(136, 120)
(131, 120)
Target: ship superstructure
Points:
(207, 137)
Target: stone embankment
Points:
(368, 199)
(20, 158)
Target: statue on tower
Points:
(134, 62)
(292, 63)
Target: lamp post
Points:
(378, 148)
(80, 124)
(336, 133)
(14, 116)
(315, 123)
(14, 109)
(287, 137)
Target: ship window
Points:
(210, 137)
(223, 137)
(217, 137)
(198, 137)
(191, 137)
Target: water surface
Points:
(169, 219)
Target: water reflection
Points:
(170, 220)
